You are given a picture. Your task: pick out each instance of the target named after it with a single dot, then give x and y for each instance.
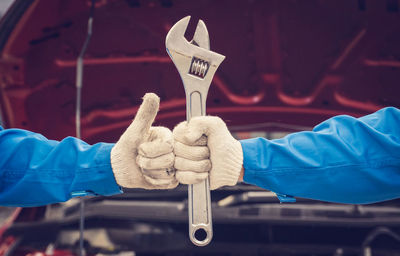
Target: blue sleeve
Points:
(343, 159)
(36, 171)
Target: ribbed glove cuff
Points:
(123, 173)
(230, 166)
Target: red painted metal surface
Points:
(54, 253)
(33, 252)
(6, 245)
(287, 62)
(11, 219)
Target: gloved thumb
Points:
(147, 113)
(143, 120)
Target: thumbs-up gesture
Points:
(143, 157)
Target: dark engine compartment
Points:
(153, 223)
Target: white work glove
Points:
(222, 157)
(143, 157)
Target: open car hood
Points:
(289, 65)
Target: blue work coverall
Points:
(36, 171)
(343, 159)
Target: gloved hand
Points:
(146, 147)
(222, 157)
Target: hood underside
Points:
(289, 64)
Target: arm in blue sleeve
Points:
(343, 159)
(36, 171)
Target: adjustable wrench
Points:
(196, 65)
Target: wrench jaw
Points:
(201, 37)
(176, 35)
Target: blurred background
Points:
(4, 6)
(4, 211)
(289, 65)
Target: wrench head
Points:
(176, 34)
(195, 62)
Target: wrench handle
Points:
(199, 199)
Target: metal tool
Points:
(196, 65)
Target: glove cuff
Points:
(123, 173)
(230, 166)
